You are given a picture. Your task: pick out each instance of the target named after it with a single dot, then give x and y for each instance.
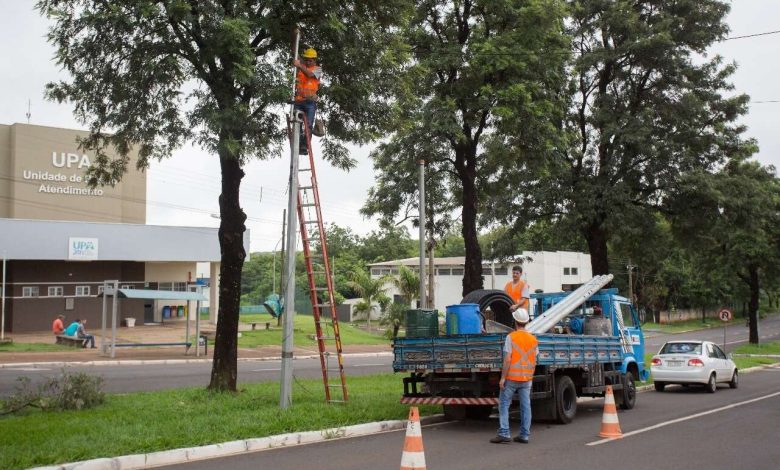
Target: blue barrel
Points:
(166, 311)
(463, 319)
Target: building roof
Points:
(23, 239)
(461, 260)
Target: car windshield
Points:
(681, 348)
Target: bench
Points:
(267, 325)
(140, 345)
(70, 341)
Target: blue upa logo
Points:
(83, 247)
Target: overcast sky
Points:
(184, 189)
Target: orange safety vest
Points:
(516, 292)
(522, 362)
(306, 86)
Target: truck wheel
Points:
(455, 412)
(659, 386)
(565, 400)
(626, 398)
(479, 412)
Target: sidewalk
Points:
(174, 332)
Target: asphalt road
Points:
(680, 428)
(134, 378)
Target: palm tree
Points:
(370, 290)
(408, 284)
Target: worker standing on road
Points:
(517, 375)
(518, 289)
(307, 83)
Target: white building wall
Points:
(543, 270)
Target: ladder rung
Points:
(304, 169)
(335, 386)
(304, 188)
(337, 401)
(321, 288)
(311, 221)
(326, 337)
(309, 204)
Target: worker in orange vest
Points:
(520, 350)
(518, 289)
(307, 83)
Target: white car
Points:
(693, 362)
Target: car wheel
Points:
(626, 398)
(711, 385)
(734, 380)
(565, 399)
(659, 386)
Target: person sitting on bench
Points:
(58, 327)
(82, 334)
(72, 329)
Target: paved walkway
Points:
(173, 332)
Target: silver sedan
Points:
(693, 362)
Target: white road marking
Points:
(266, 370)
(28, 369)
(686, 418)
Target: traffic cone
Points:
(610, 428)
(413, 457)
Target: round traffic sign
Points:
(724, 314)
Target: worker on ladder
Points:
(307, 83)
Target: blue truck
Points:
(588, 339)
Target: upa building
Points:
(60, 240)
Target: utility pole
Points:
(423, 301)
(630, 282)
(285, 396)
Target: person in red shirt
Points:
(58, 327)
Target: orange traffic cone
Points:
(413, 457)
(610, 427)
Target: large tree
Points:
(150, 75)
(646, 106)
(479, 67)
(733, 217)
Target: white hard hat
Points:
(520, 315)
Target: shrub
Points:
(70, 391)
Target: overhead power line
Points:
(752, 35)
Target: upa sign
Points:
(82, 249)
(724, 314)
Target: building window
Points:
(165, 286)
(444, 272)
(502, 271)
(55, 291)
(30, 291)
(487, 271)
(180, 286)
(127, 286)
(82, 291)
(457, 271)
(573, 271)
(375, 272)
(566, 271)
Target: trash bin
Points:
(130, 322)
(422, 323)
(463, 319)
(180, 311)
(166, 311)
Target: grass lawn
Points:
(34, 347)
(147, 422)
(679, 327)
(303, 327)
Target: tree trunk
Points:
(753, 304)
(597, 245)
(472, 273)
(224, 371)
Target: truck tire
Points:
(478, 412)
(455, 412)
(565, 399)
(496, 300)
(626, 398)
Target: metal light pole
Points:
(285, 396)
(423, 300)
(2, 324)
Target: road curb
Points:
(140, 362)
(225, 449)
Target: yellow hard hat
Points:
(309, 53)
